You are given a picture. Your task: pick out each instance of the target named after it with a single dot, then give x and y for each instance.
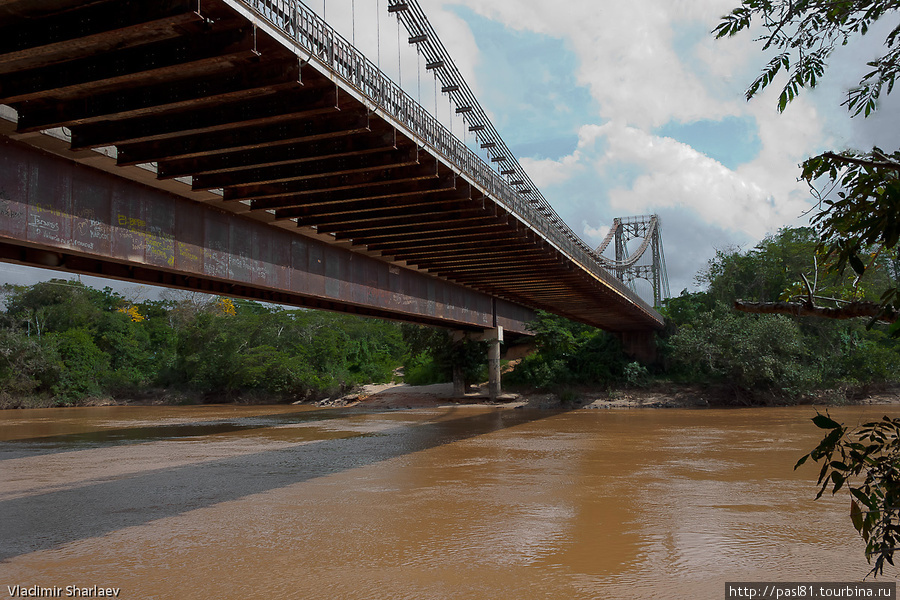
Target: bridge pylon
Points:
(627, 265)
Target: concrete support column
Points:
(459, 383)
(494, 337)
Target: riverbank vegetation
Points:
(756, 358)
(776, 354)
(64, 343)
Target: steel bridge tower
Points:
(629, 266)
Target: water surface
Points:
(464, 502)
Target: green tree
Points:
(25, 364)
(569, 353)
(858, 192)
(83, 365)
(764, 353)
(702, 342)
(432, 355)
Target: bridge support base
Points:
(459, 381)
(494, 337)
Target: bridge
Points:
(243, 147)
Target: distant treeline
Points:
(62, 342)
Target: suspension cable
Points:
(399, 57)
(353, 22)
(378, 30)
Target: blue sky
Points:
(622, 108)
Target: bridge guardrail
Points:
(333, 51)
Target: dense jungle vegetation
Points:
(62, 342)
(760, 357)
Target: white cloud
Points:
(626, 52)
(676, 175)
(647, 63)
(755, 199)
(595, 234)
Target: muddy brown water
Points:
(231, 502)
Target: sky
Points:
(626, 108)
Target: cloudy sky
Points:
(624, 108)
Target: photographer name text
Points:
(69, 591)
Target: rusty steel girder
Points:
(58, 214)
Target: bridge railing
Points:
(327, 47)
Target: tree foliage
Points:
(748, 353)
(858, 222)
(857, 192)
(433, 354)
(786, 357)
(867, 461)
(570, 353)
(63, 341)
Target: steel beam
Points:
(132, 67)
(371, 193)
(291, 104)
(259, 160)
(165, 98)
(394, 215)
(94, 29)
(240, 138)
(414, 170)
(61, 215)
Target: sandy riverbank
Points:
(400, 396)
(403, 396)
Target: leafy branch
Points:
(872, 454)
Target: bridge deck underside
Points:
(206, 95)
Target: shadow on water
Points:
(154, 433)
(52, 519)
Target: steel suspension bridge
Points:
(245, 147)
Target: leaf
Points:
(824, 422)
(838, 480)
(856, 515)
(862, 498)
(858, 267)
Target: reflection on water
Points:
(272, 502)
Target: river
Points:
(231, 502)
